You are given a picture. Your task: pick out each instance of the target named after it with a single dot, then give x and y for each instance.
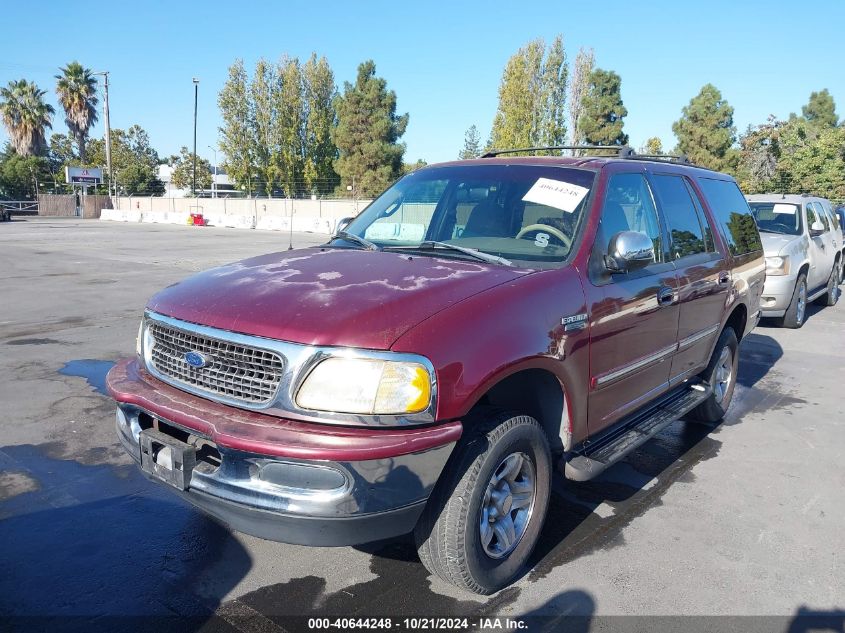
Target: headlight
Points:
(777, 265)
(364, 385)
(139, 338)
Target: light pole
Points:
(214, 182)
(105, 74)
(196, 94)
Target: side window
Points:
(811, 216)
(681, 216)
(732, 215)
(822, 215)
(628, 206)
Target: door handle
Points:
(724, 278)
(665, 296)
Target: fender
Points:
(513, 327)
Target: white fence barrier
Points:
(315, 216)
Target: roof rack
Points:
(623, 151)
(669, 158)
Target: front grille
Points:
(238, 372)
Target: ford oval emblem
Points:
(196, 359)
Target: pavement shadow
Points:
(570, 611)
(758, 353)
(98, 548)
(806, 620)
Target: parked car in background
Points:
(803, 246)
(477, 325)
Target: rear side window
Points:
(681, 216)
(732, 215)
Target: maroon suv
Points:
(480, 323)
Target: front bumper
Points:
(777, 295)
(286, 480)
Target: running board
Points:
(594, 458)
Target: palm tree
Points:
(26, 116)
(77, 90)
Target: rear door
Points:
(703, 273)
(634, 323)
(820, 249)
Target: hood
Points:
(774, 244)
(328, 296)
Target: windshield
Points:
(525, 214)
(777, 217)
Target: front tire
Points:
(485, 515)
(721, 375)
(797, 310)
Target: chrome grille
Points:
(238, 372)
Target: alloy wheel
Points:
(507, 505)
(723, 375)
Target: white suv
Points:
(803, 246)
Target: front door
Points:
(634, 323)
(821, 257)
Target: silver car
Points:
(803, 247)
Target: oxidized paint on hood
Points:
(328, 296)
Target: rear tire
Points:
(831, 297)
(797, 310)
(721, 375)
(485, 515)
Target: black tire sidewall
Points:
(727, 339)
(791, 316)
(492, 573)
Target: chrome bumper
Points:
(308, 502)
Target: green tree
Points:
(759, 151)
(263, 118)
(472, 144)
(581, 71)
(76, 88)
(603, 113)
(654, 146)
(821, 110)
(134, 161)
(407, 168)
(368, 132)
(319, 151)
(288, 131)
(811, 160)
(532, 97)
(183, 171)
(236, 139)
(706, 130)
(19, 174)
(26, 116)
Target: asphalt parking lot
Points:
(742, 519)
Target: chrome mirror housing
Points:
(629, 250)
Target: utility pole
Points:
(105, 74)
(196, 94)
(214, 182)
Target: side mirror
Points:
(816, 229)
(628, 251)
(342, 224)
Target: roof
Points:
(793, 198)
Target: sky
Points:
(444, 60)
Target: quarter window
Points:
(681, 216)
(628, 206)
(732, 214)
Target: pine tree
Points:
(367, 133)
(706, 130)
(602, 117)
(821, 110)
(472, 144)
(654, 146)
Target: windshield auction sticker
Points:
(557, 194)
(784, 208)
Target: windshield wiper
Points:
(360, 241)
(431, 245)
